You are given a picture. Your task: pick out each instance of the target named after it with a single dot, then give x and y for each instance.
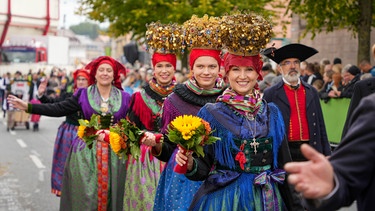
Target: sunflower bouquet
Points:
(124, 139)
(190, 133)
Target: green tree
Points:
(86, 28)
(131, 16)
(328, 15)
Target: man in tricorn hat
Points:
(298, 101)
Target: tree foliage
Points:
(328, 15)
(131, 16)
(86, 28)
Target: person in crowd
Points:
(366, 67)
(180, 77)
(175, 191)
(362, 89)
(337, 65)
(17, 76)
(268, 75)
(129, 83)
(336, 60)
(318, 84)
(64, 81)
(3, 83)
(6, 80)
(344, 79)
(53, 86)
(303, 68)
(146, 112)
(365, 76)
(337, 81)
(327, 86)
(324, 64)
(312, 73)
(352, 76)
(278, 77)
(67, 131)
(33, 86)
(267, 81)
(298, 101)
(238, 168)
(94, 177)
(337, 68)
(346, 176)
(33, 91)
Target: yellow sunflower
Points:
(186, 124)
(81, 131)
(116, 141)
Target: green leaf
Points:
(131, 135)
(83, 122)
(199, 151)
(211, 140)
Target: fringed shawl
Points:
(223, 122)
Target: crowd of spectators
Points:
(331, 79)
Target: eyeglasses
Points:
(289, 63)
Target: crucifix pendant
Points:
(254, 145)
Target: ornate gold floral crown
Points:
(165, 38)
(245, 34)
(203, 32)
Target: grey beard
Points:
(292, 79)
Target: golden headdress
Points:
(245, 34)
(203, 32)
(165, 38)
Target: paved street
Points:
(25, 167)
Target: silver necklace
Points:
(253, 144)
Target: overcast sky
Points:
(67, 8)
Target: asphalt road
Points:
(25, 167)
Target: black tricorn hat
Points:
(296, 50)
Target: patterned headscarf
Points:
(117, 68)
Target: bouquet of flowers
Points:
(124, 139)
(190, 133)
(87, 130)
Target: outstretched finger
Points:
(311, 154)
(294, 167)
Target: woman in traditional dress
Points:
(174, 190)
(94, 177)
(145, 111)
(250, 154)
(66, 132)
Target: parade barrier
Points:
(334, 113)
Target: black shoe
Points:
(35, 127)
